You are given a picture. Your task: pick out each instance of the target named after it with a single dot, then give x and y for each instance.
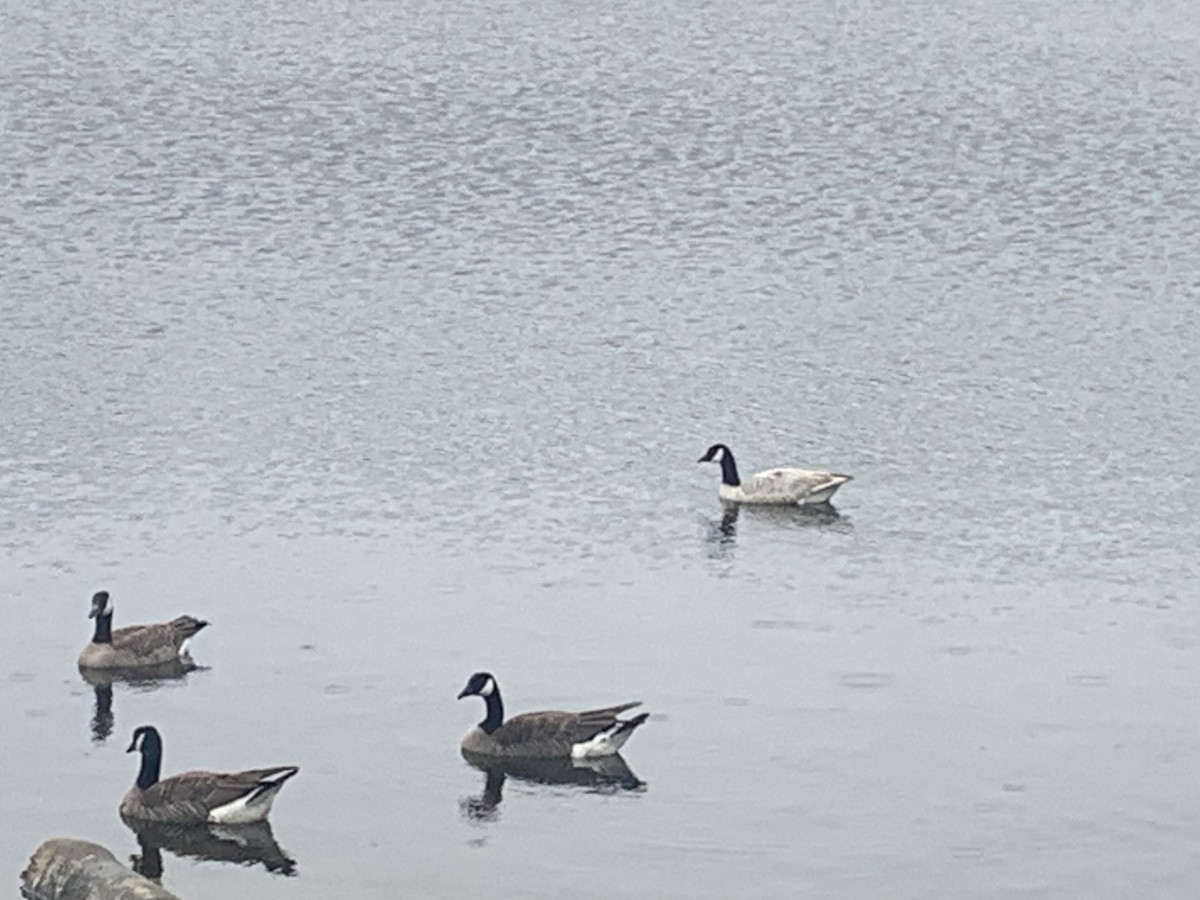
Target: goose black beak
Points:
(93, 613)
(132, 746)
(702, 459)
(463, 693)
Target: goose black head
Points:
(723, 455)
(101, 605)
(146, 739)
(480, 684)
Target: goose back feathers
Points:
(192, 798)
(135, 646)
(545, 735)
(805, 487)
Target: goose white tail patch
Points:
(183, 649)
(252, 807)
(819, 496)
(606, 743)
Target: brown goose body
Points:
(546, 735)
(142, 645)
(192, 798)
(135, 645)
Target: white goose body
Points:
(782, 486)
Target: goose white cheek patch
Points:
(488, 689)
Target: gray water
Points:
(385, 336)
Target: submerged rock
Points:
(67, 869)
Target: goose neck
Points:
(103, 632)
(495, 711)
(151, 762)
(729, 472)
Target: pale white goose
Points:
(545, 735)
(135, 646)
(803, 487)
(193, 798)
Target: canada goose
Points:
(804, 487)
(544, 735)
(135, 645)
(191, 798)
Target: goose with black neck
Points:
(193, 798)
(135, 646)
(545, 735)
(780, 486)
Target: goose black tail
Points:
(629, 725)
(269, 785)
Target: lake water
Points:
(386, 337)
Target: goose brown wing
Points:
(201, 792)
(145, 640)
(593, 721)
(186, 626)
(555, 727)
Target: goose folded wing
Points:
(186, 626)
(202, 792)
(559, 727)
(788, 481)
(145, 640)
(594, 721)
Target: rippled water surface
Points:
(385, 336)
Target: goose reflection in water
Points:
(823, 516)
(724, 530)
(600, 775)
(144, 678)
(247, 845)
(721, 534)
